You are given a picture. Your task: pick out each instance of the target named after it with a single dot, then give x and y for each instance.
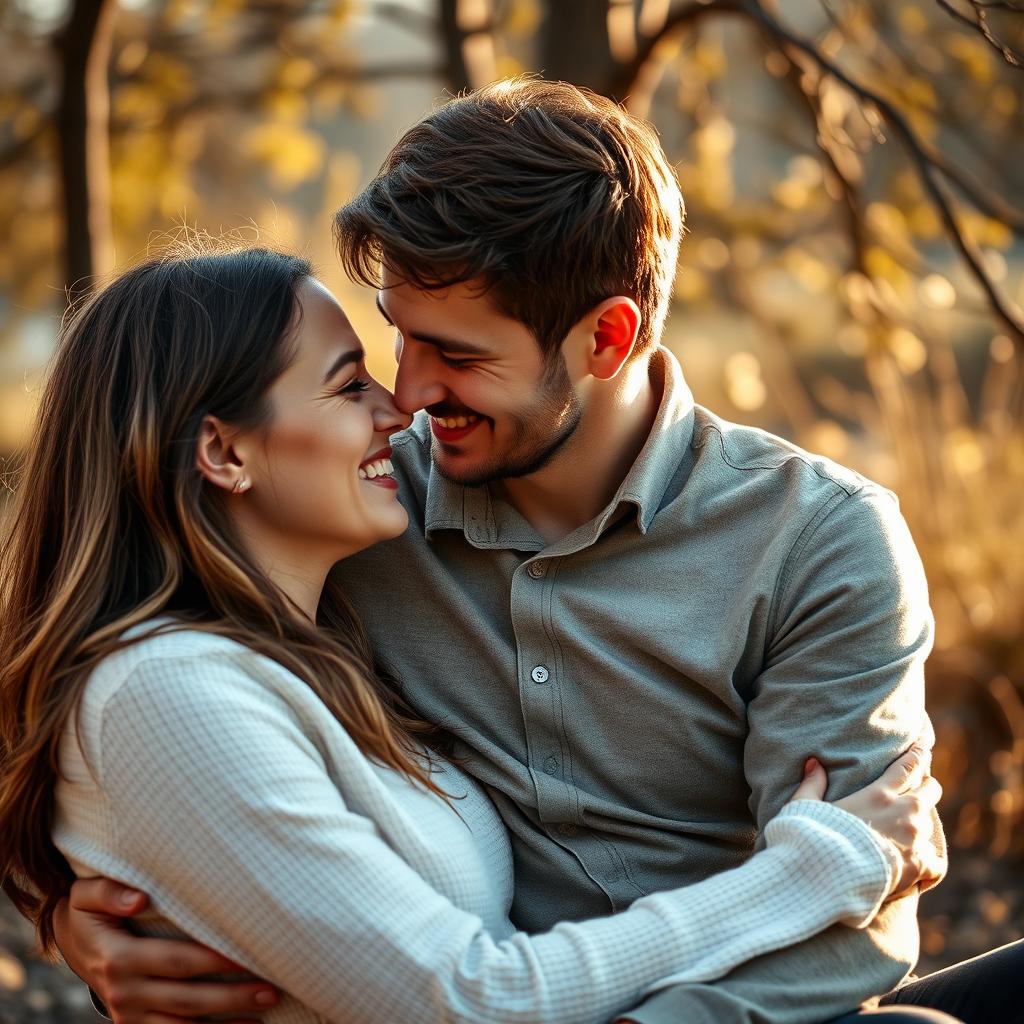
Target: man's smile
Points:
(454, 428)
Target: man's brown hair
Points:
(550, 196)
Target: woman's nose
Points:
(387, 417)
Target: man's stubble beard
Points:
(558, 407)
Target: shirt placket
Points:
(541, 668)
(540, 683)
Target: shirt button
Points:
(540, 674)
(551, 765)
(568, 829)
(537, 570)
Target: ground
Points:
(980, 905)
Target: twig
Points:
(1004, 307)
(851, 197)
(983, 199)
(627, 75)
(981, 25)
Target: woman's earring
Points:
(241, 484)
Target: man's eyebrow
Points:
(353, 355)
(453, 345)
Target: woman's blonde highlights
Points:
(111, 524)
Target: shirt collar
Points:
(489, 523)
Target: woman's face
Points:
(319, 473)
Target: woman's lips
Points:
(378, 470)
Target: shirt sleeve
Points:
(843, 679)
(229, 815)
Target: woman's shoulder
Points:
(164, 659)
(168, 640)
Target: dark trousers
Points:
(986, 990)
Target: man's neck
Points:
(583, 477)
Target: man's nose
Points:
(416, 387)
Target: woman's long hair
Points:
(113, 524)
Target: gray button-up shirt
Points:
(639, 697)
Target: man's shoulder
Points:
(734, 450)
(747, 482)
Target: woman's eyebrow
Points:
(353, 355)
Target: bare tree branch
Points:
(810, 98)
(981, 198)
(626, 77)
(1004, 307)
(981, 25)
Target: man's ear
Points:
(616, 325)
(217, 458)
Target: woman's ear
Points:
(616, 325)
(218, 459)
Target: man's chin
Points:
(465, 475)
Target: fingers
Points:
(908, 770)
(175, 959)
(929, 792)
(192, 1000)
(934, 869)
(814, 783)
(105, 896)
(922, 870)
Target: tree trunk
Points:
(452, 38)
(574, 43)
(83, 116)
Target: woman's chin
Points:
(386, 526)
(397, 527)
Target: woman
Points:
(208, 446)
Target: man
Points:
(635, 618)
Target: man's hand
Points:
(143, 980)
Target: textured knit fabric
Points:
(639, 697)
(213, 779)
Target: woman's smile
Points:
(377, 470)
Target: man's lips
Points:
(454, 428)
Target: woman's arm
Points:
(228, 818)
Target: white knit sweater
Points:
(213, 779)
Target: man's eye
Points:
(448, 361)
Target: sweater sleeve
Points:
(227, 814)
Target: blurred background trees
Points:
(852, 276)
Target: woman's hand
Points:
(900, 805)
(142, 980)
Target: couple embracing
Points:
(560, 700)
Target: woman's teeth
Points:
(372, 470)
(454, 422)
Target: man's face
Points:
(497, 408)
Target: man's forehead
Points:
(467, 302)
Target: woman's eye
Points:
(354, 386)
